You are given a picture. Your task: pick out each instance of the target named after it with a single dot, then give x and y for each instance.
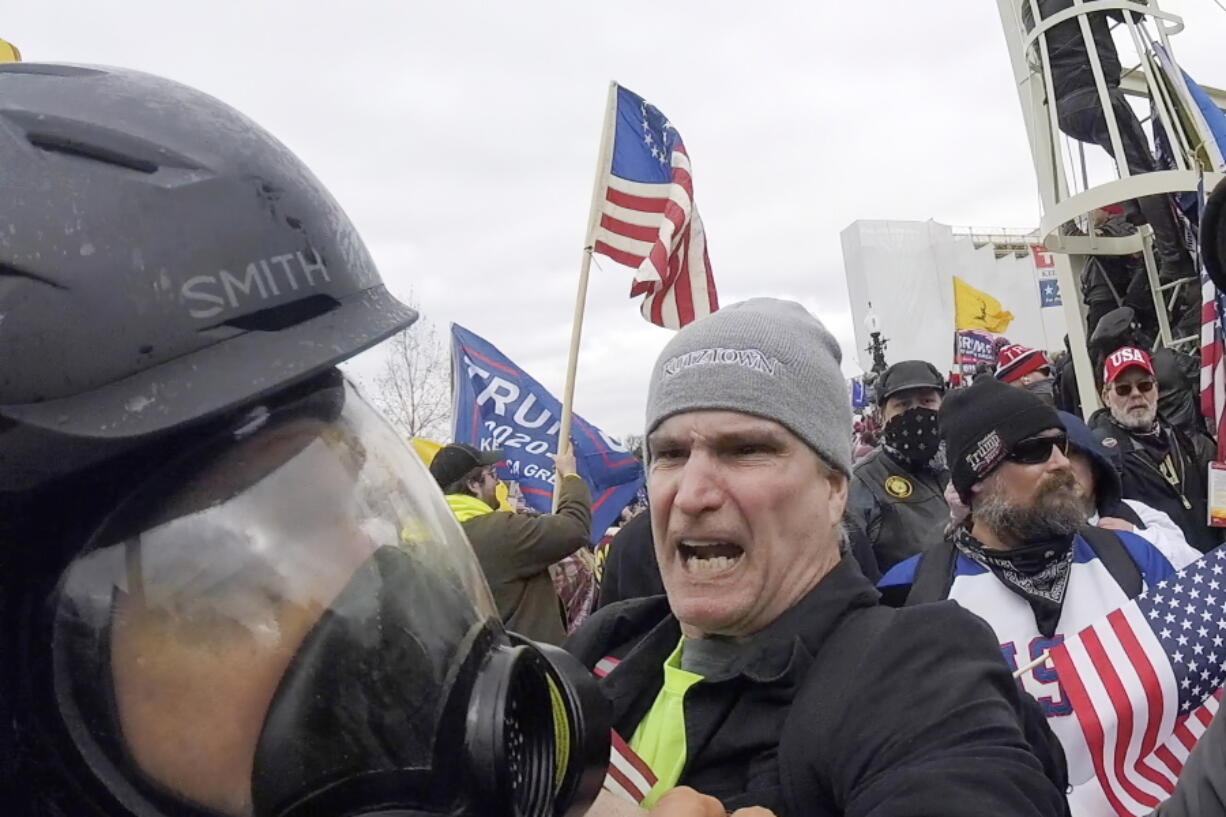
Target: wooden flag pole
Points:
(603, 161)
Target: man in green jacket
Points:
(516, 550)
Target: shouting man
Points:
(769, 675)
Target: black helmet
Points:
(227, 586)
(163, 259)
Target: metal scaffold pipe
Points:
(1074, 87)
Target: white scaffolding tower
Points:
(1063, 165)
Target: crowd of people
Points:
(229, 588)
(1036, 523)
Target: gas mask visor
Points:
(286, 620)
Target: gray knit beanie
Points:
(765, 357)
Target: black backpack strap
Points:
(934, 574)
(1122, 510)
(1116, 558)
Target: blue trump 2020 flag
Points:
(498, 405)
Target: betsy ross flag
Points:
(1146, 681)
(648, 220)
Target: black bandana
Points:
(913, 436)
(1038, 573)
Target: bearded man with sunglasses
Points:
(1161, 466)
(1025, 560)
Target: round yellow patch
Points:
(898, 487)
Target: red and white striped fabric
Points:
(1146, 680)
(604, 666)
(1212, 362)
(1188, 728)
(628, 775)
(655, 228)
(648, 220)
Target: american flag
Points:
(1212, 364)
(628, 775)
(648, 220)
(1146, 681)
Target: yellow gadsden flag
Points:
(974, 309)
(9, 52)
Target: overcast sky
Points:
(462, 138)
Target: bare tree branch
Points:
(413, 388)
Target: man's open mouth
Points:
(709, 557)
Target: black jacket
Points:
(912, 715)
(1187, 504)
(630, 569)
(1066, 48)
(898, 525)
(1106, 277)
(1178, 383)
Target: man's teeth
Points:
(711, 564)
(708, 556)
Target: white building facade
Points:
(902, 272)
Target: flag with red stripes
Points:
(648, 220)
(628, 775)
(604, 666)
(1212, 364)
(1145, 681)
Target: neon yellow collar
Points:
(466, 507)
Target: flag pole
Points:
(1042, 659)
(603, 162)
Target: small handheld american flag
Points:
(648, 220)
(1146, 681)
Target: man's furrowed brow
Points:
(736, 437)
(657, 440)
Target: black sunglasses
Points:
(1125, 389)
(1034, 450)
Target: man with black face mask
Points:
(1025, 560)
(897, 491)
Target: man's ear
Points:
(838, 494)
(977, 488)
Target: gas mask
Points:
(913, 436)
(286, 620)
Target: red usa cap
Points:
(1124, 358)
